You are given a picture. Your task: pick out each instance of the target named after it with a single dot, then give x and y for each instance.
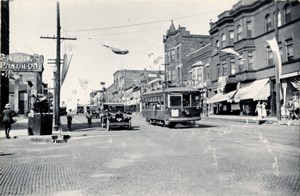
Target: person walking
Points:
(69, 118)
(290, 107)
(7, 119)
(89, 118)
(258, 109)
(296, 108)
(263, 110)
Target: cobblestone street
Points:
(212, 159)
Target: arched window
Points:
(217, 45)
(268, 22)
(287, 14)
(223, 40)
(239, 32)
(279, 21)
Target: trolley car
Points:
(171, 106)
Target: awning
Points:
(219, 97)
(257, 90)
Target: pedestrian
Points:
(89, 118)
(7, 119)
(296, 108)
(263, 110)
(69, 118)
(258, 109)
(290, 107)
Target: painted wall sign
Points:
(20, 62)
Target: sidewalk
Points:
(252, 119)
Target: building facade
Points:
(177, 44)
(242, 67)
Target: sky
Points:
(135, 25)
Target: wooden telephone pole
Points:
(57, 78)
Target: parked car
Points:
(114, 116)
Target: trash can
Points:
(40, 124)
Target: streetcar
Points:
(171, 106)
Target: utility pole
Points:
(277, 76)
(57, 78)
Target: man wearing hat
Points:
(7, 119)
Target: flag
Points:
(83, 83)
(157, 59)
(117, 51)
(150, 54)
(275, 49)
(231, 51)
(66, 65)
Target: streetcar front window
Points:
(186, 100)
(175, 100)
(195, 100)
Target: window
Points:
(239, 32)
(217, 45)
(232, 66)
(223, 40)
(195, 99)
(279, 22)
(225, 68)
(207, 73)
(219, 70)
(287, 14)
(241, 63)
(270, 57)
(175, 100)
(289, 49)
(178, 53)
(250, 60)
(199, 74)
(280, 50)
(249, 29)
(173, 55)
(231, 37)
(268, 22)
(186, 99)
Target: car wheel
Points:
(107, 125)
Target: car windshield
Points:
(114, 108)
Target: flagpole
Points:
(277, 76)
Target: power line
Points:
(144, 23)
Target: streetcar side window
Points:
(175, 100)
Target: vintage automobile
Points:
(113, 116)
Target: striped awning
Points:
(257, 90)
(219, 97)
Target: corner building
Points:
(240, 80)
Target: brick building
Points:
(177, 44)
(240, 80)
